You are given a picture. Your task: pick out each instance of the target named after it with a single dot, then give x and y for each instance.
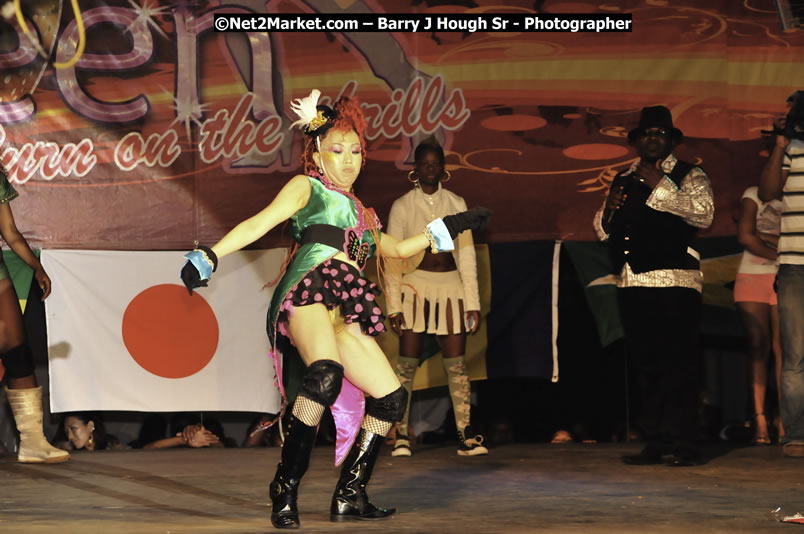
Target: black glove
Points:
(474, 219)
(191, 277)
(189, 273)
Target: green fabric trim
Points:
(21, 274)
(592, 263)
(7, 191)
(9, 197)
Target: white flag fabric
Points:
(124, 334)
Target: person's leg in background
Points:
(756, 320)
(681, 353)
(790, 288)
(453, 349)
(776, 347)
(410, 346)
(661, 328)
(638, 347)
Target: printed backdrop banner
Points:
(165, 131)
(124, 334)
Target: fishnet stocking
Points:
(376, 426)
(308, 411)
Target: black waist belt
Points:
(324, 233)
(336, 238)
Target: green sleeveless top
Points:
(325, 206)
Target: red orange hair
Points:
(350, 117)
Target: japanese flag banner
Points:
(124, 333)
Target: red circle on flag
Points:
(168, 332)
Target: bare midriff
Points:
(437, 263)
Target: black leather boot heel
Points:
(285, 513)
(350, 501)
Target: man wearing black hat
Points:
(650, 218)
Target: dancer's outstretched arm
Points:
(203, 261)
(438, 235)
(290, 199)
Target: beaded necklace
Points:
(362, 222)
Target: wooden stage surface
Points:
(517, 488)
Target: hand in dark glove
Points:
(191, 277)
(474, 219)
(200, 265)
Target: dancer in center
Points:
(326, 309)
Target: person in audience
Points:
(154, 427)
(85, 431)
(188, 430)
(259, 434)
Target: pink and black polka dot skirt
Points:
(336, 283)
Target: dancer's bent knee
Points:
(320, 387)
(322, 382)
(390, 408)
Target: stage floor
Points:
(517, 488)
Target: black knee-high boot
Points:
(350, 500)
(296, 449)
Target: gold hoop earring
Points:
(449, 177)
(411, 180)
(91, 440)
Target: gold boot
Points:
(26, 404)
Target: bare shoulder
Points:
(298, 188)
(300, 181)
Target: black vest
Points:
(646, 238)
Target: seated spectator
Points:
(188, 430)
(215, 426)
(154, 427)
(257, 436)
(85, 431)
